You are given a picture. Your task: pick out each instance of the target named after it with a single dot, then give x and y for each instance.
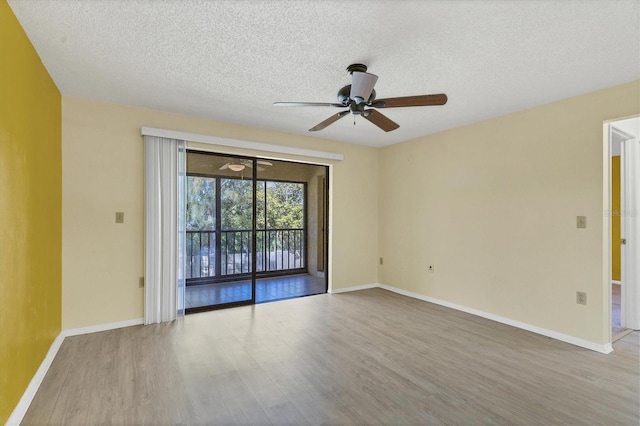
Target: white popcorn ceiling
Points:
(230, 60)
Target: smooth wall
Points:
(103, 174)
(493, 207)
(30, 211)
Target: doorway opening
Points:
(624, 161)
(251, 231)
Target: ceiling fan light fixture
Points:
(236, 167)
(362, 85)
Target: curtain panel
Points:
(164, 252)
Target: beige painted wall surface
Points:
(493, 206)
(103, 173)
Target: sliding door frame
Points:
(254, 238)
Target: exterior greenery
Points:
(222, 249)
(280, 205)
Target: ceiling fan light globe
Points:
(236, 167)
(362, 85)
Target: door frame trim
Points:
(607, 223)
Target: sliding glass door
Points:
(252, 231)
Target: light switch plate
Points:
(581, 222)
(581, 298)
(119, 217)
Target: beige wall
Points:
(493, 206)
(103, 173)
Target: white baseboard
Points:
(23, 405)
(354, 288)
(102, 327)
(605, 349)
(602, 348)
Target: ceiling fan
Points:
(238, 166)
(359, 97)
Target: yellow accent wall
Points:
(615, 219)
(493, 207)
(30, 211)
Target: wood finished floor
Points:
(367, 357)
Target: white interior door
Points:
(630, 227)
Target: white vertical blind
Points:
(182, 224)
(164, 246)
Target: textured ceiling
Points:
(230, 60)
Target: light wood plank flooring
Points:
(367, 357)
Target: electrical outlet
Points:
(141, 282)
(381, 262)
(119, 217)
(581, 298)
(431, 268)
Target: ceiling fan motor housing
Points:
(344, 99)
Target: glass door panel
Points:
(219, 235)
(287, 220)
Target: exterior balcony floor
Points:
(267, 290)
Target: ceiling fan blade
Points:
(265, 163)
(409, 101)
(328, 121)
(297, 104)
(381, 120)
(225, 167)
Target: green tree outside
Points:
(283, 203)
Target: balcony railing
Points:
(276, 250)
